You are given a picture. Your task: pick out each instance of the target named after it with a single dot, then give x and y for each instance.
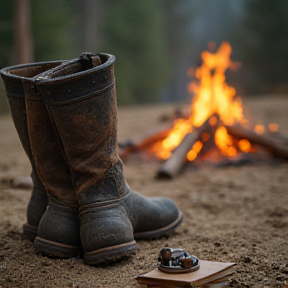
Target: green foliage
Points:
(156, 41)
(266, 44)
(6, 43)
(51, 21)
(6, 32)
(133, 32)
(178, 17)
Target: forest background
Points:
(155, 41)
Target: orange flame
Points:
(196, 148)
(212, 95)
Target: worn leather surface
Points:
(149, 213)
(84, 111)
(51, 165)
(12, 77)
(90, 147)
(59, 222)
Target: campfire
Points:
(215, 128)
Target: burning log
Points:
(279, 138)
(173, 165)
(276, 147)
(142, 141)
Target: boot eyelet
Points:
(69, 91)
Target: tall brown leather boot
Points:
(12, 77)
(82, 103)
(58, 230)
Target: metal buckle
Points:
(176, 260)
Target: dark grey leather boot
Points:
(82, 103)
(59, 229)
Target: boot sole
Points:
(110, 254)
(55, 249)
(162, 232)
(30, 231)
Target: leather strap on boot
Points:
(89, 60)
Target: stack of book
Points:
(209, 275)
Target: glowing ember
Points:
(212, 95)
(244, 145)
(192, 154)
(273, 127)
(259, 129)
(225, 142)
(205, 136)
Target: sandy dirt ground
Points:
(231, 213)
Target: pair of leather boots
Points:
(65, 113)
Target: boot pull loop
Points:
(89, 60)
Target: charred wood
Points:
(276, 147)
(173, 165)
(142, 141)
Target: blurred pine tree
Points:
(266, 45)
(6, 45)
(6, 32)
(51, 24)
(178, 19)
(133, 31)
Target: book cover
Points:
(208, 272)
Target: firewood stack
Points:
(275, 144)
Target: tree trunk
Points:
(24, 48)
(92, 14)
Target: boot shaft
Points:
(13, 77)
(51, 165)
(82, 104)
(36, 132)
